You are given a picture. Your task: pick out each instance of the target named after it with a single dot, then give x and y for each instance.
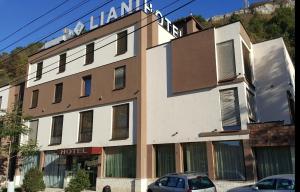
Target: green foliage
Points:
(33, 181)
(13, 65)
(234, 18)
(79, 182)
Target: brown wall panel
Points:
(102, 90)
(193, 62)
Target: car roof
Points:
(282, 176)
(188, 174)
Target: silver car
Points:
(183, 182)
(275, 183)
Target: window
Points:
(57, 126)
(230, 109)
(165, 159)
(34, 99)
(122, 42)
(0, 102)
(273, 161)
(58, 93)
(247, 64)
(86, 126)
(120, 161)
(251, 106)
(62, 63)
(291, 106)
(226, 61)
(163, 181)
(229, 158)
(33, 126)
(86, 86)
(39, 71)
(200, 183)
(89, 56)
(267, 184)
(195, 157)
(285, 184)
(120, 122)
(120, 77)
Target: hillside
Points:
(261, 27)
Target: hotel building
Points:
(128, 102)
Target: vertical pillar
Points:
(250, 169)
(101, 167)
(42, 160)
(151, 173)
(210, 160)
(178, 157)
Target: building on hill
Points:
(139, 105)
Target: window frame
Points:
(62, 63)
(219, 64)
(34, 104)
(120, 38)
(249, 94)
(84, 84)
(113, 136)
(52, 130)
(123, 78)
(55, 100)
(89, 54)
(247, 66)
(80, 140)
(39, 71)
(37, 130)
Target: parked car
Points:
(282, 183)
(183, 182)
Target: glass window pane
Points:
(35, 95)
(251, 106)
(120, 122)
(230, 109)
(266, 184)
(58, 92)
(120, 161)
(229, 158)
(247, 64)
(226, 60)
(39, 71)
(89, 58)
(57, 126)
(86, 126)
(122, 42)
(195, 157)
(33, 125)
(62, 63)
(165, 159)
(86, 89)
(285, 184)
(120, 77)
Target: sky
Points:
(17, 13)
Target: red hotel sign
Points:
(80, 151)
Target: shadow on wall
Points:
(271, 86)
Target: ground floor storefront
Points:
(229, 163)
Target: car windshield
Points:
(200, 183)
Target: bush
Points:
(33, 181)
(79, 182)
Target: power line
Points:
(29, 23)
(23, 49)
(180, 7)
(70, 41)
(46, 24)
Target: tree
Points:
(79, 182)
(33, 181)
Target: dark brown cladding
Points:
(193, 62)
(88, 37)
(102, 90)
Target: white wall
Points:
(232, 32)
(188, 114)
(163, 35)
(4, 93)
(273, 74)
(104, 55)
(102, 129)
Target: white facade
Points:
(4, 94)
(102, 129)
(274, 76)
(187, 114)
(106, 54)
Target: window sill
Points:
(84, 96)
(116, 139)
(37, 79)
(32, 107)
(88, 63)
(227, 80)
(79, 142)
(118, 54)
(55, 102)
(117, 89)
(53, 144)
(59, 72)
